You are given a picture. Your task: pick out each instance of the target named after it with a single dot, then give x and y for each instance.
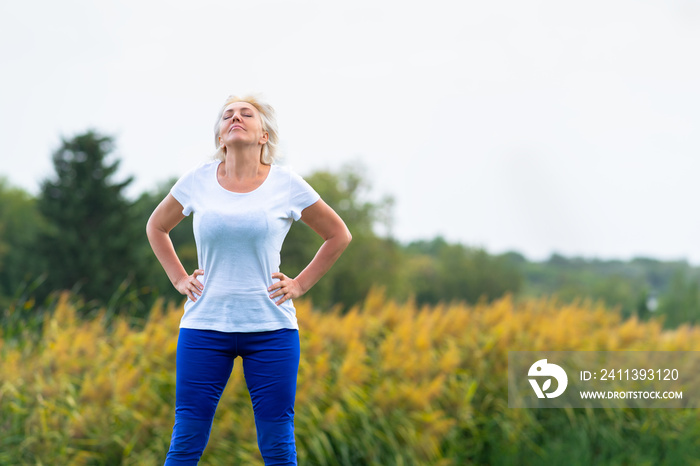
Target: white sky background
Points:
(535, 126)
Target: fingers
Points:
(285, 288)
(282, 281)
(194, 281)
(283, 300)
(193, 287)
(280, 286)
(285, 296)
(280, 292)
(196, 289)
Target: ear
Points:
(264, 137)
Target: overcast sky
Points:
(535, 126)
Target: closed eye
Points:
(245, 115)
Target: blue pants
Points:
(204, 364)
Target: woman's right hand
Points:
(190, 286)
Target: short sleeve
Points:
(301, 195)
(182, 192)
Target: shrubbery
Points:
(383, 384)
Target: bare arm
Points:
(336, 237)
(163, 219)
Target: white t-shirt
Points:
(239, 237)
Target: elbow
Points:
(152, 229)
(348, 238)
(340, 239)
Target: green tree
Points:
(623, 285)
(441, 272)
(20, 224)
(369, 261)
(91, 231)
(680, 304)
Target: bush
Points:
(382, 384)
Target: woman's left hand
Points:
(286, 287)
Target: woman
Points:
(239, 304)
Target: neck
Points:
(242, 164)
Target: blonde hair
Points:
(270, 150)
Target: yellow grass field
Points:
(383, 384)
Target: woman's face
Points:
(241, 122)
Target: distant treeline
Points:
(82, 233)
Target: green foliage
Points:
(20, 225)
(632, 286)
(369, 259)
(443, 272)
(88, 242)
(383, 384)
(681, 303)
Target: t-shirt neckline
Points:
(216, 180)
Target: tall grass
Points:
(383, 384)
